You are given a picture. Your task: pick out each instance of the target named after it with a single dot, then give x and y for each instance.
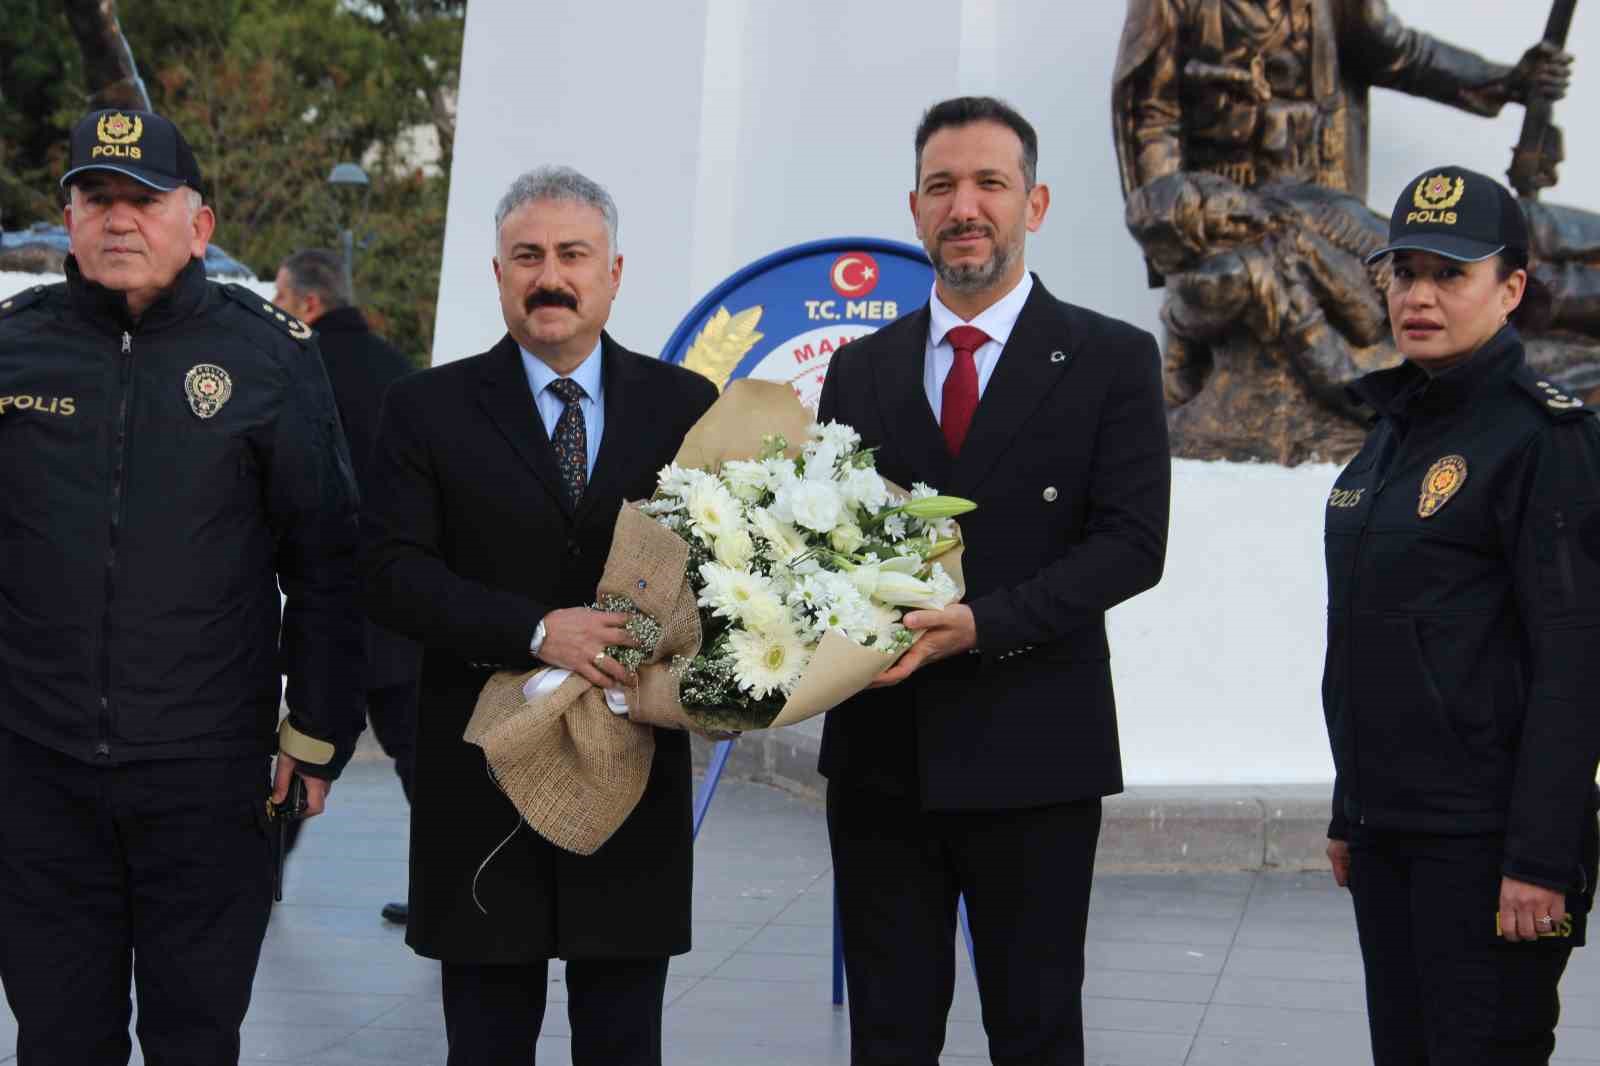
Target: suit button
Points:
(573, 549)
(1050, 494)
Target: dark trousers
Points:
(1442, 988)
(393, 713)
(156, 873)
(492, 1014)
(1025, 875)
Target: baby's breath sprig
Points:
(641, 627)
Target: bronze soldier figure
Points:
(1242, 137)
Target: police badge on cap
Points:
(1457, 213)
(140, 144)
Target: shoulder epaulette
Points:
(26, 298)
(276, 315)
(1555, 402)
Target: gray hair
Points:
(320, 271)
(558, 183)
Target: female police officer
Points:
(1463, 661)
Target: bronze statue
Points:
(1241, 132)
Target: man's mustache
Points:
(965, 229)
(549, 298)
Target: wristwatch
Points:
(538, 638)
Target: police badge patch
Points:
(208, 388)
(1442, 481)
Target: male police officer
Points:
(169, 452)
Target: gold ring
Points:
(599, 655)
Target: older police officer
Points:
(1463, 553)
(169, 453)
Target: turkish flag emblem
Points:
(854, 274)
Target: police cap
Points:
(1457, 213)
(140, 144)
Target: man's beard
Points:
(971, 277)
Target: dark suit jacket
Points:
(361, 366)
(468, 543)
(1067, 459)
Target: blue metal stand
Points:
(702, 804)
(708, 788)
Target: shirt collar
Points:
(587, 374)
(997, 320)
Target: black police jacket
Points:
(158, 479)
(1463, 660)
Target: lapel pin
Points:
(1050, 494)
(1058, 357)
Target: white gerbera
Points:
(767, 662)
(742, 596)
(783, 539)
(734, 549)
(713, 512)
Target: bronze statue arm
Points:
(1396, 57)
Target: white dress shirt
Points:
(550, 405)
(997, 320)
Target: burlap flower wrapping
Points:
(572, 768)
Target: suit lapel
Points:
(626, 421)
(907, 417)
(509, 404)
(1039, 352)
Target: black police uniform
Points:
(1463, 661)
(158, 479)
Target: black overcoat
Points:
(361, 366)
(468, 543)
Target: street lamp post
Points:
(353, 190)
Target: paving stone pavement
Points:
(1217, 969)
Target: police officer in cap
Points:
(1463, 659)
(170, 455)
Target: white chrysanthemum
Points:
(767, 663)
(863, 487)
(677, 480)
(835, 604)
(894, 527)
(746, 478)
(922, 489)
(814, 505)
(838, 436)
(734, 549)
(713, 511)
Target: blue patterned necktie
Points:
(570, 439)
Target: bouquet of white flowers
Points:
(767, 577)
(784, 550)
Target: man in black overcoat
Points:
(496, 483)
(977, 766)
(312, 286)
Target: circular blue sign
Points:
(782, 317)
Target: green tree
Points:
(270, 94)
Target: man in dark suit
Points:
(977, 765)
(312, 286)
(496, 484)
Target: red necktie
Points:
(961, 387)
